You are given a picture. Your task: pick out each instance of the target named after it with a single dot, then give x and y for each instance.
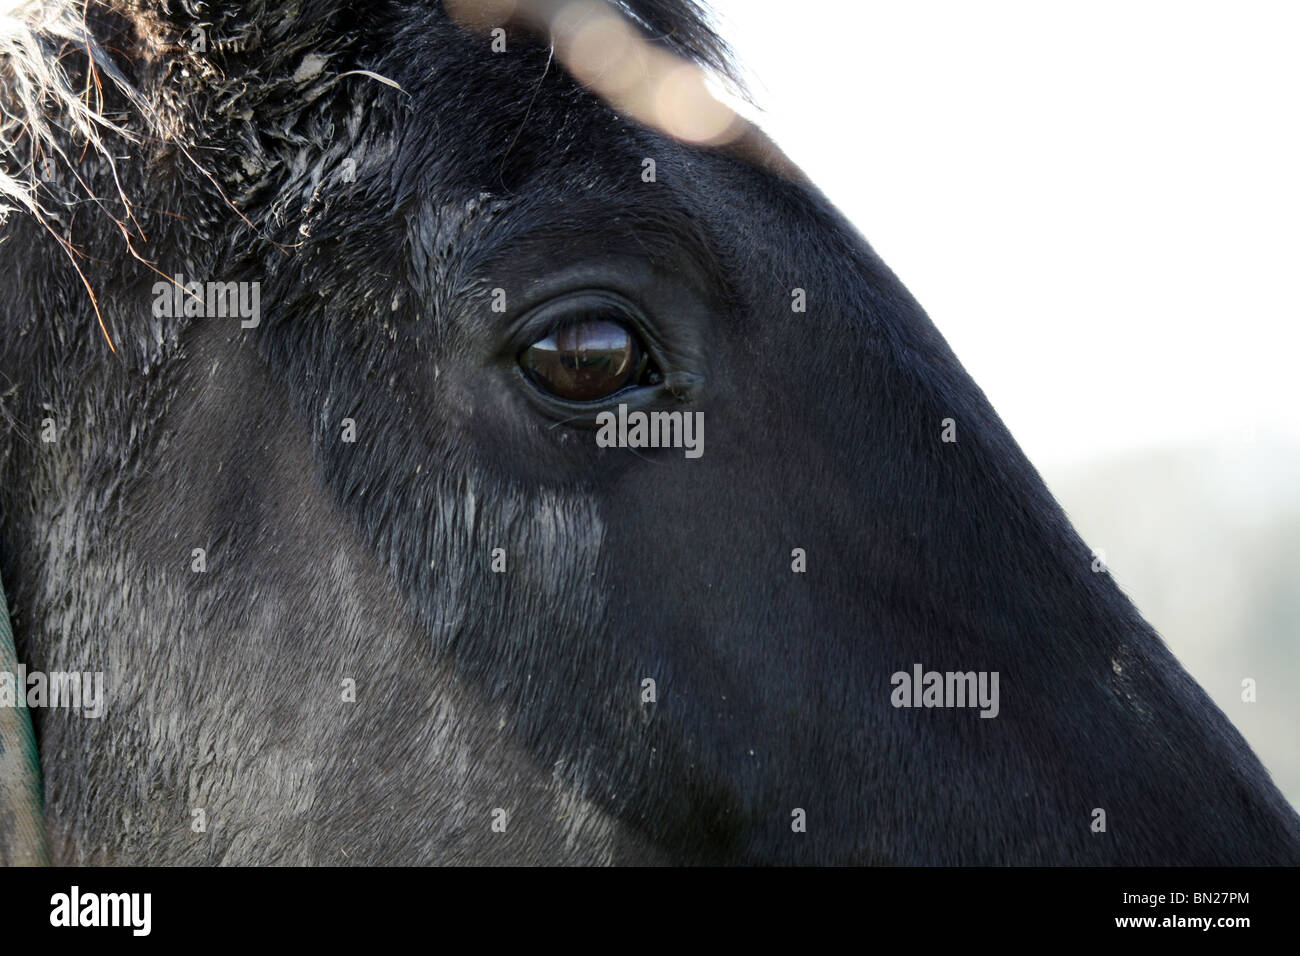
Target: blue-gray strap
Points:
(22, 825)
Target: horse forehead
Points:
(444, 226)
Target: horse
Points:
(355, 369)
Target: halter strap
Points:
(22, 825)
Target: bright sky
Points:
(1098, 204)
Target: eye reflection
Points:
(585, 361)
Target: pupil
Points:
(584, 362)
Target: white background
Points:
(1098, 204)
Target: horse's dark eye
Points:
(586, 361)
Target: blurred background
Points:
(1099, 206)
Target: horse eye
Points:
(586, 361)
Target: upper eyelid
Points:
(543, 318)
